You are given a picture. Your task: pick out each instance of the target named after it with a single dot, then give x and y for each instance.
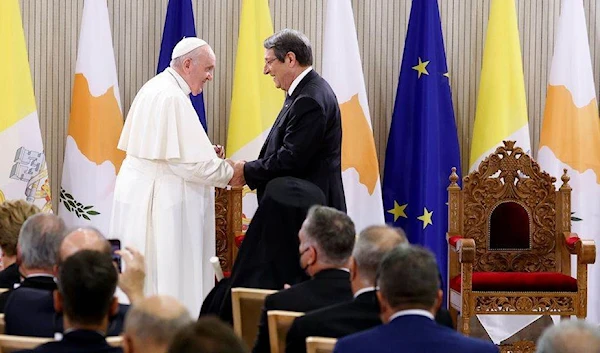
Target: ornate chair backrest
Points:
(512, 211)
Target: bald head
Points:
(372, 245)
(83, 239)
(156, 319)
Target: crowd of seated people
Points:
(374, 292)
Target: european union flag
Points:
(178, 24)
(423, 143)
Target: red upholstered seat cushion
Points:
(519, 281)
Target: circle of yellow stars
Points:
(399, 211)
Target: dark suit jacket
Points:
(305, 142)
(83, 341)
(10, 276)
(326, 288)
(412, 334)
(29, 310)
(341, 320)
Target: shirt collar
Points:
(180, 81)
(297, 80)
(363, 290)
(419, 312)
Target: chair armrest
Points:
(453, 240)
(466, 250)
(584, 249)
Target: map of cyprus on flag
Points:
(360, 168)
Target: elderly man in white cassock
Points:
(164, 193)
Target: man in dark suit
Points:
(305, 140)
(326, 241)
(87, 283)
(362, 313)
(37, 252)
(30, 312)
(409, 295)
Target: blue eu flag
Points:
(423, 143)
(178, 24)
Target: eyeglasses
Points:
(269, 62)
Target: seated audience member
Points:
(151, 324)
(268, 257)
(24, 317)
(360, 314)
(207, 335)
(326, 241)
(570, 336)
(37, 252)
(12, 216)
(86, 294)
(409, 295)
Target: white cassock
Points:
(164, 194)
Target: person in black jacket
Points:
(86, 288)
(362, 312)
(326, 241)
(306, 138)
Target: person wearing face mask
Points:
(326, 240)
(164, 193)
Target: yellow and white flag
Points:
(360, 168)
(92, 160)
(501, 112)
(23, 171)
(570, 136)
(255, 101)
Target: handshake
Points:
(238, 167)
(238, 173)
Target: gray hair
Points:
(40, 239)
(333, 232)
(289, 40)
(408, 276)
(371, 246)
(570, 336)
(194, 55)
(148, 327)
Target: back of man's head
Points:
(151, 324)
(39, 241)
(207, 335)
(372, 244)
(408, 278)
(570, 336)
(87, 238)
(87, 281)
(332, 232)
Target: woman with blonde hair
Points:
(12, 216)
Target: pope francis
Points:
(164, 193)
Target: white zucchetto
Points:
(186, 45)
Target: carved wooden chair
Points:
(228, 225)
(510, 241)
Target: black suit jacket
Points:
(326, 288)
(341, 320)
(10, 276)
(83, 341)
(305, 142)
(29, 310)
